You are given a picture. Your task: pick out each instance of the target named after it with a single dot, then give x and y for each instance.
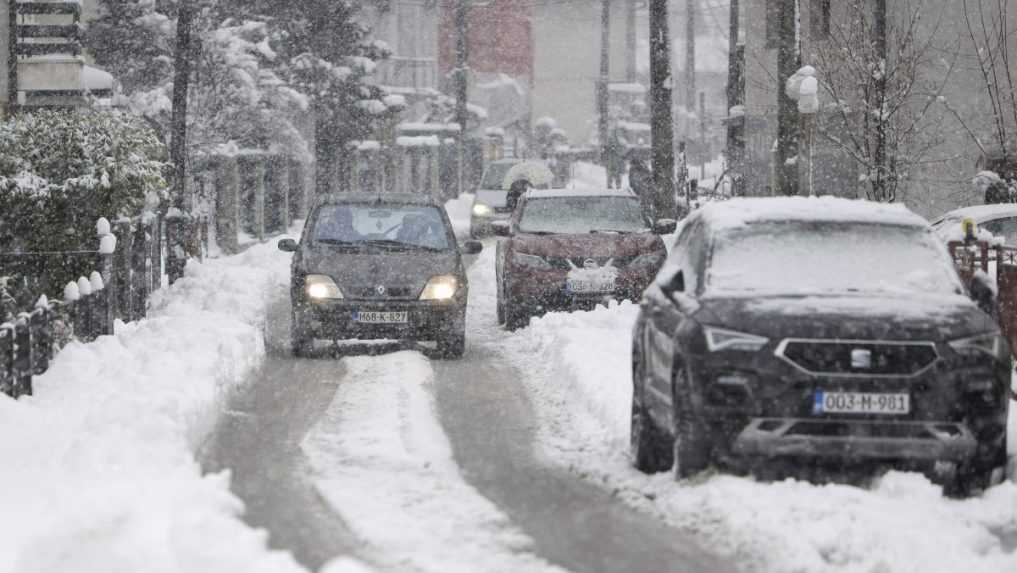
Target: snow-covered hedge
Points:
(62, 170)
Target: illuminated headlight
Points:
(531, 261)
(482, 210)
(321, 287)
(991, 343)
(441, 287)
(648, 260)
(721, 339)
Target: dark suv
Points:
(378, 267)
(822, 331)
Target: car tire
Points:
(651, 448)
(692, 447)
(301, 342)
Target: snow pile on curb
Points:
(391, 475)
(99, 470)
(459, 213)
(582, 391)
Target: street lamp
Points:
(804, 88)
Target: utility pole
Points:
(787, 109)
(176, 224)
(879, 153)
(630, 41)
(602, 96)
(734, 94)
(704, 154)
(690, 56)
(661, 125)
(462, 80)
(12, 57)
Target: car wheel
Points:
(651, 448)
(301, 342)
(692, 447)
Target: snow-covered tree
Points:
(62, 170)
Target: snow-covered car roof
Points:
(586, 192)
(980, 213)
(738, 212)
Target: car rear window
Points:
(829, 257)
(579, 215)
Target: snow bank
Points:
(581, 388)
(99, 470)
(384, 463)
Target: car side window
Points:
(1005, 228)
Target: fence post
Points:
(122, 269)
(141, 274)
(299, 196)
(259, 197)
(22, 356)
(41, 325)
(7, 358)
(103, 283)
(156, 245)
(278, 200)
(84, 311)
(227, 203)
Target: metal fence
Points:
(124, 271)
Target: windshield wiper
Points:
(393, 244)
(338, 242)
(619, 231)
(537, 232)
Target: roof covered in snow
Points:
(586, 192)
(738, 212)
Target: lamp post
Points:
(803, 87)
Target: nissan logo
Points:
(380, 289)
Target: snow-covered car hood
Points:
(404, 268)
(492, 197)
(935, 318)
(588, 245)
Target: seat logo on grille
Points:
(590, 264)
(380, 289)
(861, 358)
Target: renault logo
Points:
(861, 358)
(590, 264)
(380, 289)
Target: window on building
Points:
(820, 16)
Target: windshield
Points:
(818, 258)
(390, 226)
(579, 215)
(494, 175)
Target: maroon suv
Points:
(571, 248)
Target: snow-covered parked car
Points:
(824, 330)
(1000, 220)
(571, 248)
(492, 196)
(378, 266)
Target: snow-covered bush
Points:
(62, 170)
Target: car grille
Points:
(371, 293)
(858, 358)
(569, 263)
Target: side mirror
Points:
(501, 228)
(675, 284)
(288, 246)
(665, 226)
(472, 247)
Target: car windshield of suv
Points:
(494, 175)
(386, 226)
(582, 214)
(828, 258)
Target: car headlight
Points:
(321, 287)
(441, 287)
(722, 339)
(482, 210)
(531, 261)
(990, 343)
(648, 260)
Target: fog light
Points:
(979, 386)
(733, 380)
